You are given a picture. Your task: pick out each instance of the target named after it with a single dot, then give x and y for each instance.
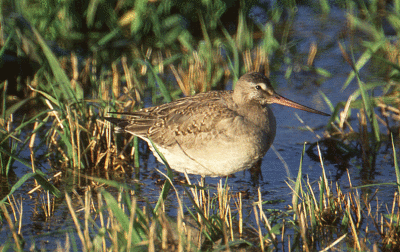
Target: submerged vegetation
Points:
(83, 60)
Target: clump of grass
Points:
(322, 217)
(327, 216)
(387, 225)
(379, 52)
(122, 223)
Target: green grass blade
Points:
(325, 7)
(41, 179)
(160, 82)
(396, 165)
(91, 12)
(17, 185)
(6, 44)
(39, 176)
(297, 188)
(122, 218)
(112, 183)
(65, 89)
(365, 57)
(367, 100)
(234, 50)
(13, 108)
(21, 126)
(321, 194)
(269, 43)
(327, 101)
(213, 229)
(136, 154)
(167, 184)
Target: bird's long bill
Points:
(278, 99)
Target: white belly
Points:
(216, 158)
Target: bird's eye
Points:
(258, 87)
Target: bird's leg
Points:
(256, 173)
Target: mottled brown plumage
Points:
(215, 133)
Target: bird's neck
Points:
(259, 115)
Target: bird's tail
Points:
(120, 123)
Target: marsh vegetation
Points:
(70, 183)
